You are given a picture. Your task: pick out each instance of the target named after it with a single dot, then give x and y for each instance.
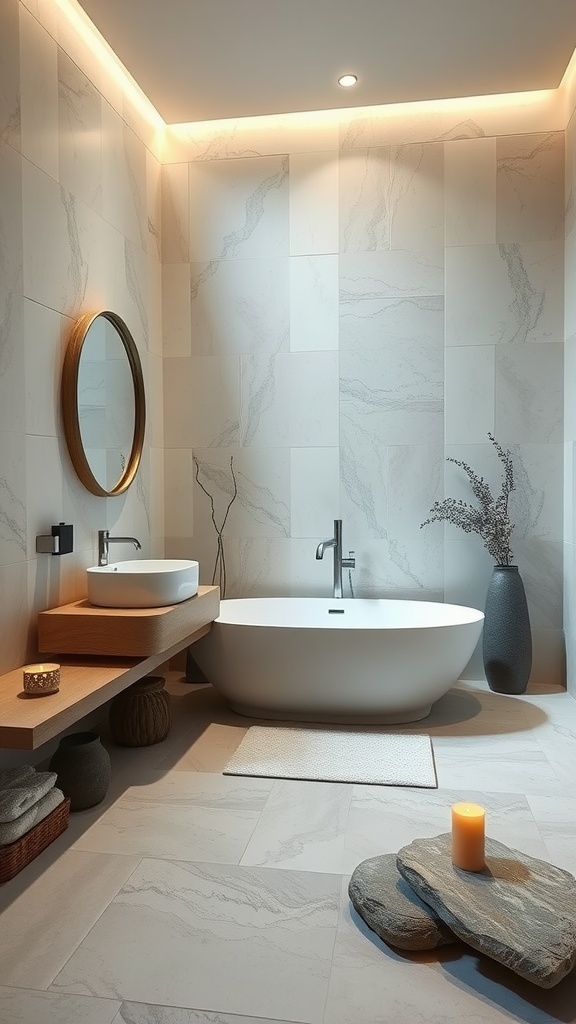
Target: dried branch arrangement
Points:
(220, 561)
(490, 519)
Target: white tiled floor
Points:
(189, 897)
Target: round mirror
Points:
(103, 404)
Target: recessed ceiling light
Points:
(347, 80)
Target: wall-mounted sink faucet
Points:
(104, 539)
(335, 542)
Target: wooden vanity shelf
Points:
(87, 682)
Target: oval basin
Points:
(142, 583)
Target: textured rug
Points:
(335, 755)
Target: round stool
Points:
(140, 716)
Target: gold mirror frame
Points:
(69, 399)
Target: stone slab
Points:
(519, 910)
(391, 908)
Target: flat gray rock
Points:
(519, 910)
(392, 909)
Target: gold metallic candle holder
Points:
(41, 680)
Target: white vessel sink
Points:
(142, 583)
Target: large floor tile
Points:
(183, 816)
(22, 1006)
(42, 922)
(303, 826)
(504, 763)
(382, 820)
(556, 819)
(140, 1013)
(238, 940)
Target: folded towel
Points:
(12, 776)
(17, 799)
(12, 830)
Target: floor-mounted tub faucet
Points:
(104, 539)
(335, 542)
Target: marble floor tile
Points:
(303, 826)
(141, 1013)
(499, 763)
(382, 820)
(44, 920)
(232, 939)
(556, 819)
(23, 1006)
(183, 816)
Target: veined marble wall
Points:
(570, 403)
(343, 310)
(79, 230)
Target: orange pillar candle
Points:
(468, 836)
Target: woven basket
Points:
(18, 854)
(140, 716)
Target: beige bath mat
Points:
(335, 755)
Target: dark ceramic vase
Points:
(83, 768)
(507, 642)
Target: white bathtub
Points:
(323, 660)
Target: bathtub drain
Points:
(335, 611)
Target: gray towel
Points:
(12, 830)
(13, 776)
(17, 799)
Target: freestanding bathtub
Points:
(322, 660)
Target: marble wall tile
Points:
(314, 490)
(10, 84)
(363, 479)
(10, 218)
(366, 321)
(155, 400)
(27, 1007)
(12, 416)
(534, 506)
(313, 204)
(12, 497)
(79, 134)
(157, 500)
(383, 275)
(274, 920)
(124, 195)
(417, 196)
(39, 95)
(14, 617)
(176, 329)
(313, 303)
(569, 381)
(529, 187)
(239, 208)
(261, 567)
(43, 487)
(506, 293)
(364, 185)
(175, 216)
(570, 290)
(45, 334)
(570, 175)
(154, 204)
(470, 181)
(262, 507)
(540, 563)
(179, 492)
(470, 393)
(240, 306)
(394, 395)
(528, 393)
(289, 399)
(309, 132)
(202, 401)
(415, 476)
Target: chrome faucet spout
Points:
(335, 542)
(104, 540)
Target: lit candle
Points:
(468, 836)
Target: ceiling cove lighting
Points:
(347, 80)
